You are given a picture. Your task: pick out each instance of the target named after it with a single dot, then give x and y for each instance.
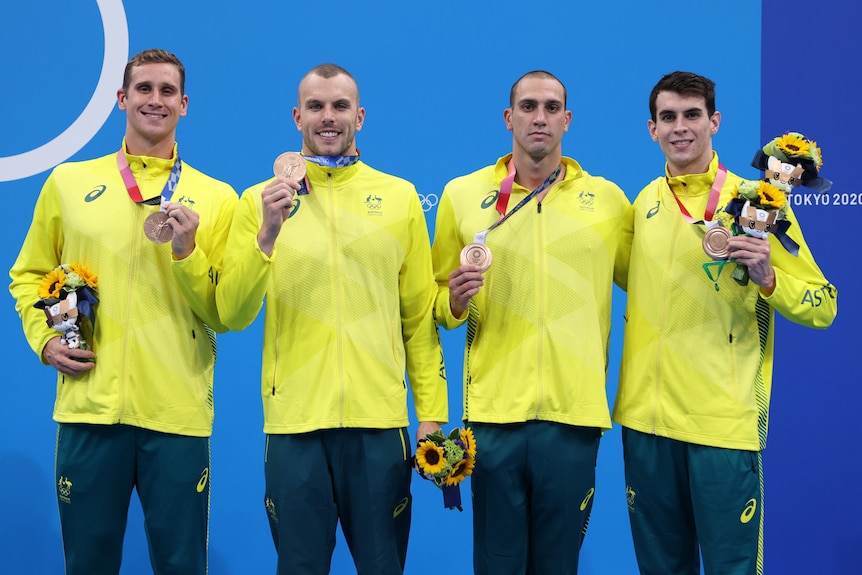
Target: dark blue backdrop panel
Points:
(434, 79)
(812, 461)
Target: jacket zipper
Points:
(133, 267)
(337, 290)
(665, 301)
(540, 302)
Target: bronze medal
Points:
(715, 242)
(290, 165)
(157, 229)
(476, 255)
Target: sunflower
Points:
(429, 457)
(748, 190)
(52, 283)
(794, 145)
(816, 155)
(461, 470)
(88, 276)
(469, 441)
(770, 196)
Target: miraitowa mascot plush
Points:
(759, 207)
(68, 299)
(63, 316)
(790, 161)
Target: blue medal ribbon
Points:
(132, 185)
(480, 237)
(333, 161)
(326, 162)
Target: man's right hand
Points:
(464, 283)
(66, 360)
(277, 199)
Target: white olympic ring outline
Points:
(96, 112)
(428, 201)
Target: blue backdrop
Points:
(435, 79)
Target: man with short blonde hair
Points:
(135, 411)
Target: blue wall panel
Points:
(812, 461)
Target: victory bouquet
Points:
(67, 294)
(759, 208)
(447, 461)
(790, 161)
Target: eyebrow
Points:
(335, 102)
(535, 101)
(688, 111)
(155, 84)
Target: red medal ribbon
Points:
(711, 204)
(506, 189)
(132, 184)
(128, 177)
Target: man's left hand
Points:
(426, 427)
(185, 223)
(754, 254)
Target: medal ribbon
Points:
(333, 161)
(132, 184)
(506, 191)
(711, 204)
(326, 162)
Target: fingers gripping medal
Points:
(476, 255)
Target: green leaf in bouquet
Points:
(437, 436)
(740, 274)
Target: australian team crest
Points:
(587, 199)
(64, 489)
(374, 205)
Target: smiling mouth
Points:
(328, 134)
(154, 115)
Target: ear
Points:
(568, 121)
(297, 119)
(184, 105)
(651, 126)
(360, 118)
(507, 117)
(715, 120)
(121, 99)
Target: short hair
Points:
(685, 83)
(328, 71)
(154, 56)
(535, 74)
(331, 71)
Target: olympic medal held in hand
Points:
(156, 228)
(290, 165)
(715, 242)
(476, 255)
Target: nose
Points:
(540, 116)
(155, 98)
(679, 125)
(328, 114)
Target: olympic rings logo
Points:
(96, 112)
(428, 201)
